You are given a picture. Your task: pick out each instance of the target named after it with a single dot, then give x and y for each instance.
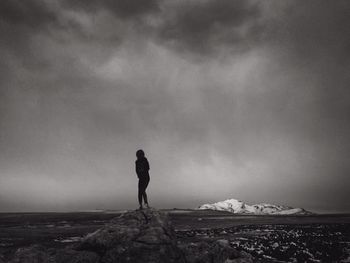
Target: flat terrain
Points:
(312, 238)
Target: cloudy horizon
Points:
(228, 99)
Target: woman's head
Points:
(140, 154)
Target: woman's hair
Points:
(140, 154)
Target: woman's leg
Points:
(140, 192)
(144, 192)
(145, 198)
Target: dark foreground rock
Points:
(39, 254)
(135, 236)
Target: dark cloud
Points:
(120, 8)
(200, 27)
(21, 22)
(33, 13)
(206, 26)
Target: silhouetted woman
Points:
(142, 168)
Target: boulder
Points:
(136, 236)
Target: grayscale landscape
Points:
(129, 128)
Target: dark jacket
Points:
(142, 168)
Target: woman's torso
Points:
(142, 168)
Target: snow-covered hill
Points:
(238, 207)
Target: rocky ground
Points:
(136, 236)
(283, 243)
(172, 236)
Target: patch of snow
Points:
(69, 240)
(290, 211)
(238, 207)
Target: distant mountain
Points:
(238, 207)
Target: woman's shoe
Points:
(147, 206)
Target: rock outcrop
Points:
(135, 236)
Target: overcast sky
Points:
(229, 99)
